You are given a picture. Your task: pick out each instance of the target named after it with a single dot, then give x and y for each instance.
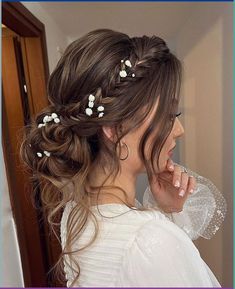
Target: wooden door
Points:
(24, 79)
(25, 216)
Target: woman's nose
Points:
(179, 129)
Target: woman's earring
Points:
(127, 152)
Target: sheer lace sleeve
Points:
(203, 212)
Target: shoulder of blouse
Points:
(160, 230)
(148, 225)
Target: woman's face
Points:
(132, 140)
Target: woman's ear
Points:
(109, 132)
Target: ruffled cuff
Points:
(203, 211)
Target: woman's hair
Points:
(91, 65)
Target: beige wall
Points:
(205, 46)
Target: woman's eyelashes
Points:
(173, 116)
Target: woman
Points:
(113, 115)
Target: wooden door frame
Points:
(17, 18)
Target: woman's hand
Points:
(172, 187)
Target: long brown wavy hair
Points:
(91, 65)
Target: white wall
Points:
(55, 38)
(204, 45)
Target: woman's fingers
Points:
(177, 176)
(183, 184)
(192, 184)
(170, 165)
(181, 179)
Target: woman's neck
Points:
(125, 181)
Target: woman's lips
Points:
(170, 153)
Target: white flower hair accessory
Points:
(45, 152)
(91, 98)
(89, 110)
(39, 154)
(123, 72)
(48, 118)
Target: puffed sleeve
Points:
(203, 211)
(162, 255)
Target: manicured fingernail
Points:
(177, 184)
(181, 193)
(171, 167)
(191, 191)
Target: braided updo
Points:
(92, 65)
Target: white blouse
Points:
(141, 248)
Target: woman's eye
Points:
(173, 116)
(178, 114)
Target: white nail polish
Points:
(181, 193)
(177, 184)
